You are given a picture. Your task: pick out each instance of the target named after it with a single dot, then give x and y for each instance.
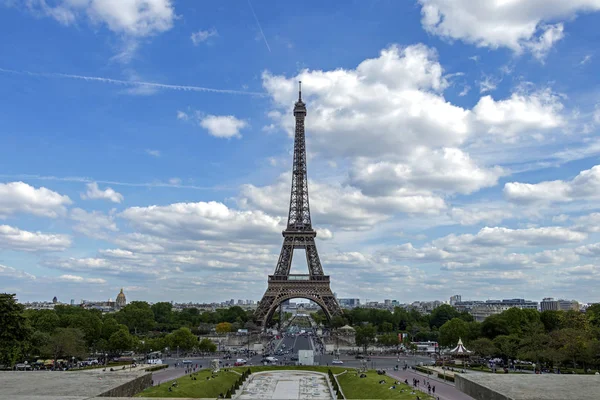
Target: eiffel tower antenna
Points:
(299, 234)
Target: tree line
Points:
(550, 337)
(68, 331)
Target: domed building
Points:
(121, 301)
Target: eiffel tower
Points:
(298, 235)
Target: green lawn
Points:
(369, 387)
(353, 386)
(198, 388)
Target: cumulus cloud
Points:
(13, 273)
(19, 240)
(386, 106)
(138, 18)
(586, 185)
(80, 279)
(93, 224)
(93, 192)
(448, 170)
(202, 36)
(19, 197)
(344, 207)
(517, 25)
(506, 237)
(521, 113)
(199, 221)
(223, 126)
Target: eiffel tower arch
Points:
(299, 234)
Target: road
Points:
(445, 391)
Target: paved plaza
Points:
(287, 385)
(530, 386)
(34, 385)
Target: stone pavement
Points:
(444, 391)
(65, 385)
(531, 387)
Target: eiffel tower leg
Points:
(312, 258)
(284, 264)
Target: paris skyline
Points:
(153, 150)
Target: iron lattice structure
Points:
(299, 234)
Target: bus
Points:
(426, 347)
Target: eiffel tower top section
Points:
(299, 215)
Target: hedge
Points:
(156, 368)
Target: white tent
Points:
(460, 349)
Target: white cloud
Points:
(19, 197)
(13, 273)
(506, 237)
(80, 279)
(473, 215)
(362, 112)
(18, 240)
(517, 25)
(586, 185)
(93, 224)
(447, 170)
(223, 126)
(93, 192)
(136, 18)
(488, 84)
(521, 113)
(201, 221)
(153, 153)
(181, 115)
(202, 36)
(344, 207)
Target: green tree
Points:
(483, 347)
(365, 335)
(442, 314)
(453, 330)
(43, 320)
(593, 314)
(163, 312)
(137, 315)
(14, 330)
(121, 340)
(338, 321)
(182, 338)
(110, 326)
(38, 344)
(207, 346)
(551, 320)
(389, 339)
(507, 345)
(387, 327)
(66, 343)
(533, 347)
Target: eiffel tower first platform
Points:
(298, 235)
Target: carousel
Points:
(460, 353)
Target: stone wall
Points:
(130, 388)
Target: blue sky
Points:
(146, 144)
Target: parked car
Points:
(337, 362)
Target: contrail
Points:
(259, 27)
(106, 182)
(184, 88)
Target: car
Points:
(337, 362)
(239, 363)
(294, 358)
(359, 356)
